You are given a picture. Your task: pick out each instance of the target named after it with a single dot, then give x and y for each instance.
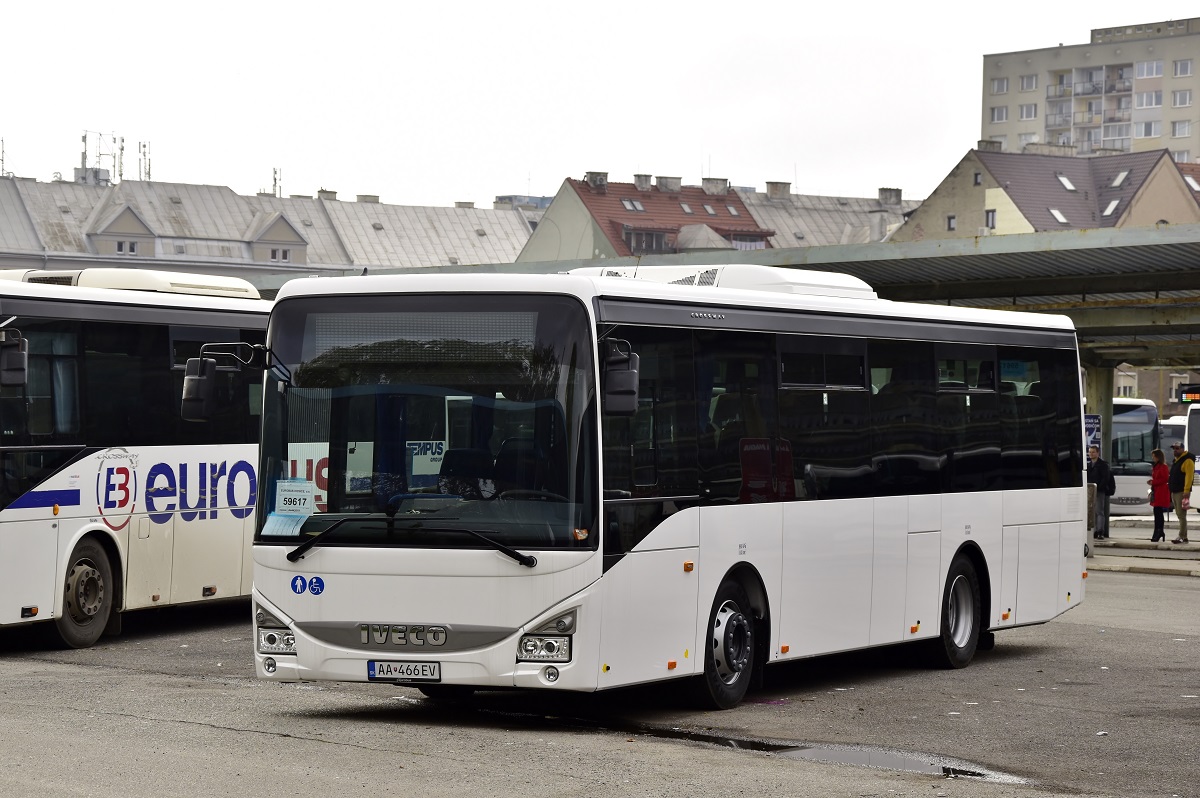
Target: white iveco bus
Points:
(109, 501)
(583, 481)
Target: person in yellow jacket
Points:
(1183, 469)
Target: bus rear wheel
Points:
(87, 597)
(728, 649)
(961, 617)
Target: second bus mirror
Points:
(14, 361)
(199, 382)
(620, 378)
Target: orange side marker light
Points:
(913, 629)
(784, 649)
(688, 566)
(55, 509)
(670, 664)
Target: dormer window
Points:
(632, 205)
(281, 255)
(126, 247)
(1119, 179)
(1067, 184)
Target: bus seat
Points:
(464, 472)
(518, 466)
(1009, 388)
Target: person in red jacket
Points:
(1160, 493)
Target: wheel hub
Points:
(85, 591)
(732, 639)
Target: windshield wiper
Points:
(528, 560)
(298, 552)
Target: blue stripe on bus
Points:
(47, 498)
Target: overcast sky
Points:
(432, 103)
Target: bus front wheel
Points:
(88, 595)
(728, 650)
(961, 617)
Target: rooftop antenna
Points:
(144, 160)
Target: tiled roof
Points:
(1035, 184)
(663, 211)
(1191, 170)
(808, 220)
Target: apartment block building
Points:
(1128, 89)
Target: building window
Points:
(951, 223)
(1183, 68)
(1112, 206)
(1148, 99)
(686, 208)
(748, 242)
(999, 85)
(1028, 110)
(1147, 130)
(989, 219)
(979, 178)
(1180, 129)
(1024, 139)
(1149, 69)
(999, 113)
(281, 255)
(632, 205)
(1057, 214)
(1029, 83)
(709, 210)
(1066, 182)
(1182, 156)
(1120, 178)
(1001, 140)
(1181, 98)
(126, 247)
(732, 210)
(641, 241)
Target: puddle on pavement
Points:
(860, 755)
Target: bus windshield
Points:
(411, 420)
(1135, 435)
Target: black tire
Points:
(447, 692)
(729, 647)
(961, 617)
(87, 595)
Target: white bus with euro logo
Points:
(110, 501)
(652, 473)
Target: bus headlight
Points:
(276, 641)
(544, 648)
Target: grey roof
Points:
(1032, 183)
(809, 220)
(212, 226)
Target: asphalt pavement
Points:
(1128, 547)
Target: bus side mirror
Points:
(620, 378)
(199, 382)
(14, 361)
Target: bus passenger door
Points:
(149, 577)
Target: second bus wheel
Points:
(728, 649)
(961, 617)
(88, 595)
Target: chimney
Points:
(715, 185)
(669, 184)
(641, 182)
(326, 195)
(597, 180)
(1036, 148)
(889, 196)
(464, 204)
(778, 190)
(986, 145)
(373, 198)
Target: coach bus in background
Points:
(109, 500)
(652, 474)
(1172, 430)
(1135, 434)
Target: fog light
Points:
(269, 665)
(551, 673)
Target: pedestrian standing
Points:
(1160, 493)
(1183, 468)
(1099, 474)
